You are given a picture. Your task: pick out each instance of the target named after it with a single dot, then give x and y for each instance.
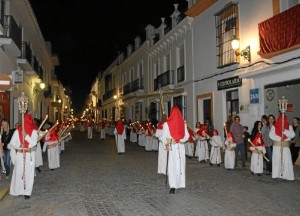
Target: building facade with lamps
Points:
(197, 68)
(27, 59)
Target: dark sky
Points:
(88, 34)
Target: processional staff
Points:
(282, 102)
(23, 105)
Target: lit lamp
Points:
(42, 85)
(235, 44)
(115, 97)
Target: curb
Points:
(3, 192)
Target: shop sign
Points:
(228, 83)
(254, 96)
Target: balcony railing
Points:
(12, 30)
(180, 74)
(35, 65)
(166, 78)
(26, 52)
(280, 33)
(109, 94)
(133, 86)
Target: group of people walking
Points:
(22, 149)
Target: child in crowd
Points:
(189, 146)
(215, 153)
(229, 159)
(258, 150)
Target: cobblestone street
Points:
(95, 180)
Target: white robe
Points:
(102, 133)
(286, 167)
(176, 160)
(142, 139)
(215, 153)
(148, 143)
(90, 132)
(133, 136)
(18, 186)
(120, 141)
(229, 159)
(38, 155)
(202, 149)
(162, 154)
(257, 160)
(53, 154)
(189, 149)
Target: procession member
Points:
(216, 145)
(229, 159)
(142, 134)
(162, 153)
(120, 135)
(197, 128)
(174, 135)
(295, 142)
(38, 151)
(22, 146)
(203, 151)
(133, 133)
(282, 165)
(51, 143)
(102, 129)
(189, 146)
(154, 146)
(258, 150)
(82, 125)
(89, 125)
(148, 137)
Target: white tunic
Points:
(162, 154)
(102, 133)
(229, 159)
(133, 136)
(53, 153)
(202, 149)
(38, 155)
(215, 153)
(176, 161)
(18, 186)
(120, 141)
(282, 169)
(257, 160)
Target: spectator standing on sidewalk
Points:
(265, 130)
(22, 146)
(237, 131)
(295, 142)
(6, 134)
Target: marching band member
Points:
(258, 150)
(23, 158)
(282, 165)
(216, 145)
(120, 135)
(229, 159)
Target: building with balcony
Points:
(26, 61)
(194, 64)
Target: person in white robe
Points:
(189, 146)
(38, 154)
(120, 136)
(51, 144)
(103, 129)
(203, 151)
(162, 153)
(229, 158)
(216, 145)
(282, 165)
(258, 149)
(174, 136)
(148, 137)
(198, 124)
(22, 146)
(90, 125)
(133, 133)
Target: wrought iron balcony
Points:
(137, 84)
(180, 74)
(26, 52)
(11, 31)
(109, 94)
(166, 78)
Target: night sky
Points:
(87, 35)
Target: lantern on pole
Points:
(23, 105)
(282, 103)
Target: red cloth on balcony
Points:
(281, 31)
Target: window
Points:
(226, 28)
(232, 101)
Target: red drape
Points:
(281, 31)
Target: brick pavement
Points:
(95, 180)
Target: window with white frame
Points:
(227, 21)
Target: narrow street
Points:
(95, 180)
